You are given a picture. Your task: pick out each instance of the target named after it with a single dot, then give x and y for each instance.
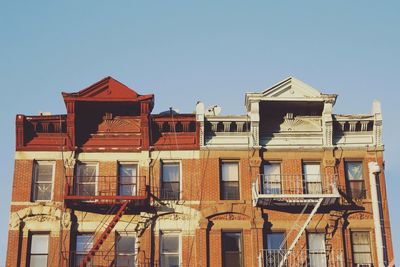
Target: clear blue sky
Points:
(184, 51)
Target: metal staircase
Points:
(89, 256)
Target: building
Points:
(289, 183)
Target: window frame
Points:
(134, 254)
(29, 255)
(265, 190)
(310, 253)
(305, 182)
(137, 185)
(177, 234)
(369, 244)
(77, 171)
(162, 187)
(82, 253)
(362, 181)
(221, 181)
(234, 231)
(36, 164)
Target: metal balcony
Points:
(106, 190)
(300, 258)
(293, 189)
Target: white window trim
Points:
(34, 180)
(31, 234)
(137, 242)
(79, 165)
(162, 162)
(173, 233)
(119, 163)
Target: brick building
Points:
(287, 184)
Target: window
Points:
(43, 180)
(272, 178)
(316, 249)
(170, 184)
(232, 249)
(354, 175)
(128, 180)
(84, 243)
(39, 250)
(275, 249)
(230, 180)
(360, 243)
(125, 251)
(312, 178)
(86, 179)
(170, 250)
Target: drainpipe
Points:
(374, 170)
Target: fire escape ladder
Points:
(299, 234)
(100, 240)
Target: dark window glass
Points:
(361, 247)
(39, 250)
(355, 179)
(42, 180)
(170, 184)
(232, 249)
(275, 252)
(230, 181)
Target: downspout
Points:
(374, 170)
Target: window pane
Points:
(317, 254)
(44, 172)
(170, 261)
(87, 171)
(125, 261)
(170, 172)
(170, 190)
(38, 261)
(39, 244)
(232, 249)
(312, 172)
(170, 244)
(275, 240)
(127, 170)
(361, 247)
(230, 171)
(84, 243)
(230, 190)
(125, 244)
(87, 190)
(273, 170)
(42, 191)
(354, 170)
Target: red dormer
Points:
(108, 116)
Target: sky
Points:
(213, 51)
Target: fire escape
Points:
(295, 192)
(108, 200)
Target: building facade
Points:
(289, 183)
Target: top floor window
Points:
(312, 178)
(170, 184)
(128, 179)
(43, 174)
(272, 178)
(230, 180)
(355, 179)
(86, 179)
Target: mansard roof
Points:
(107, 89)
(290, 89)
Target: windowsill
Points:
(238, 201)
